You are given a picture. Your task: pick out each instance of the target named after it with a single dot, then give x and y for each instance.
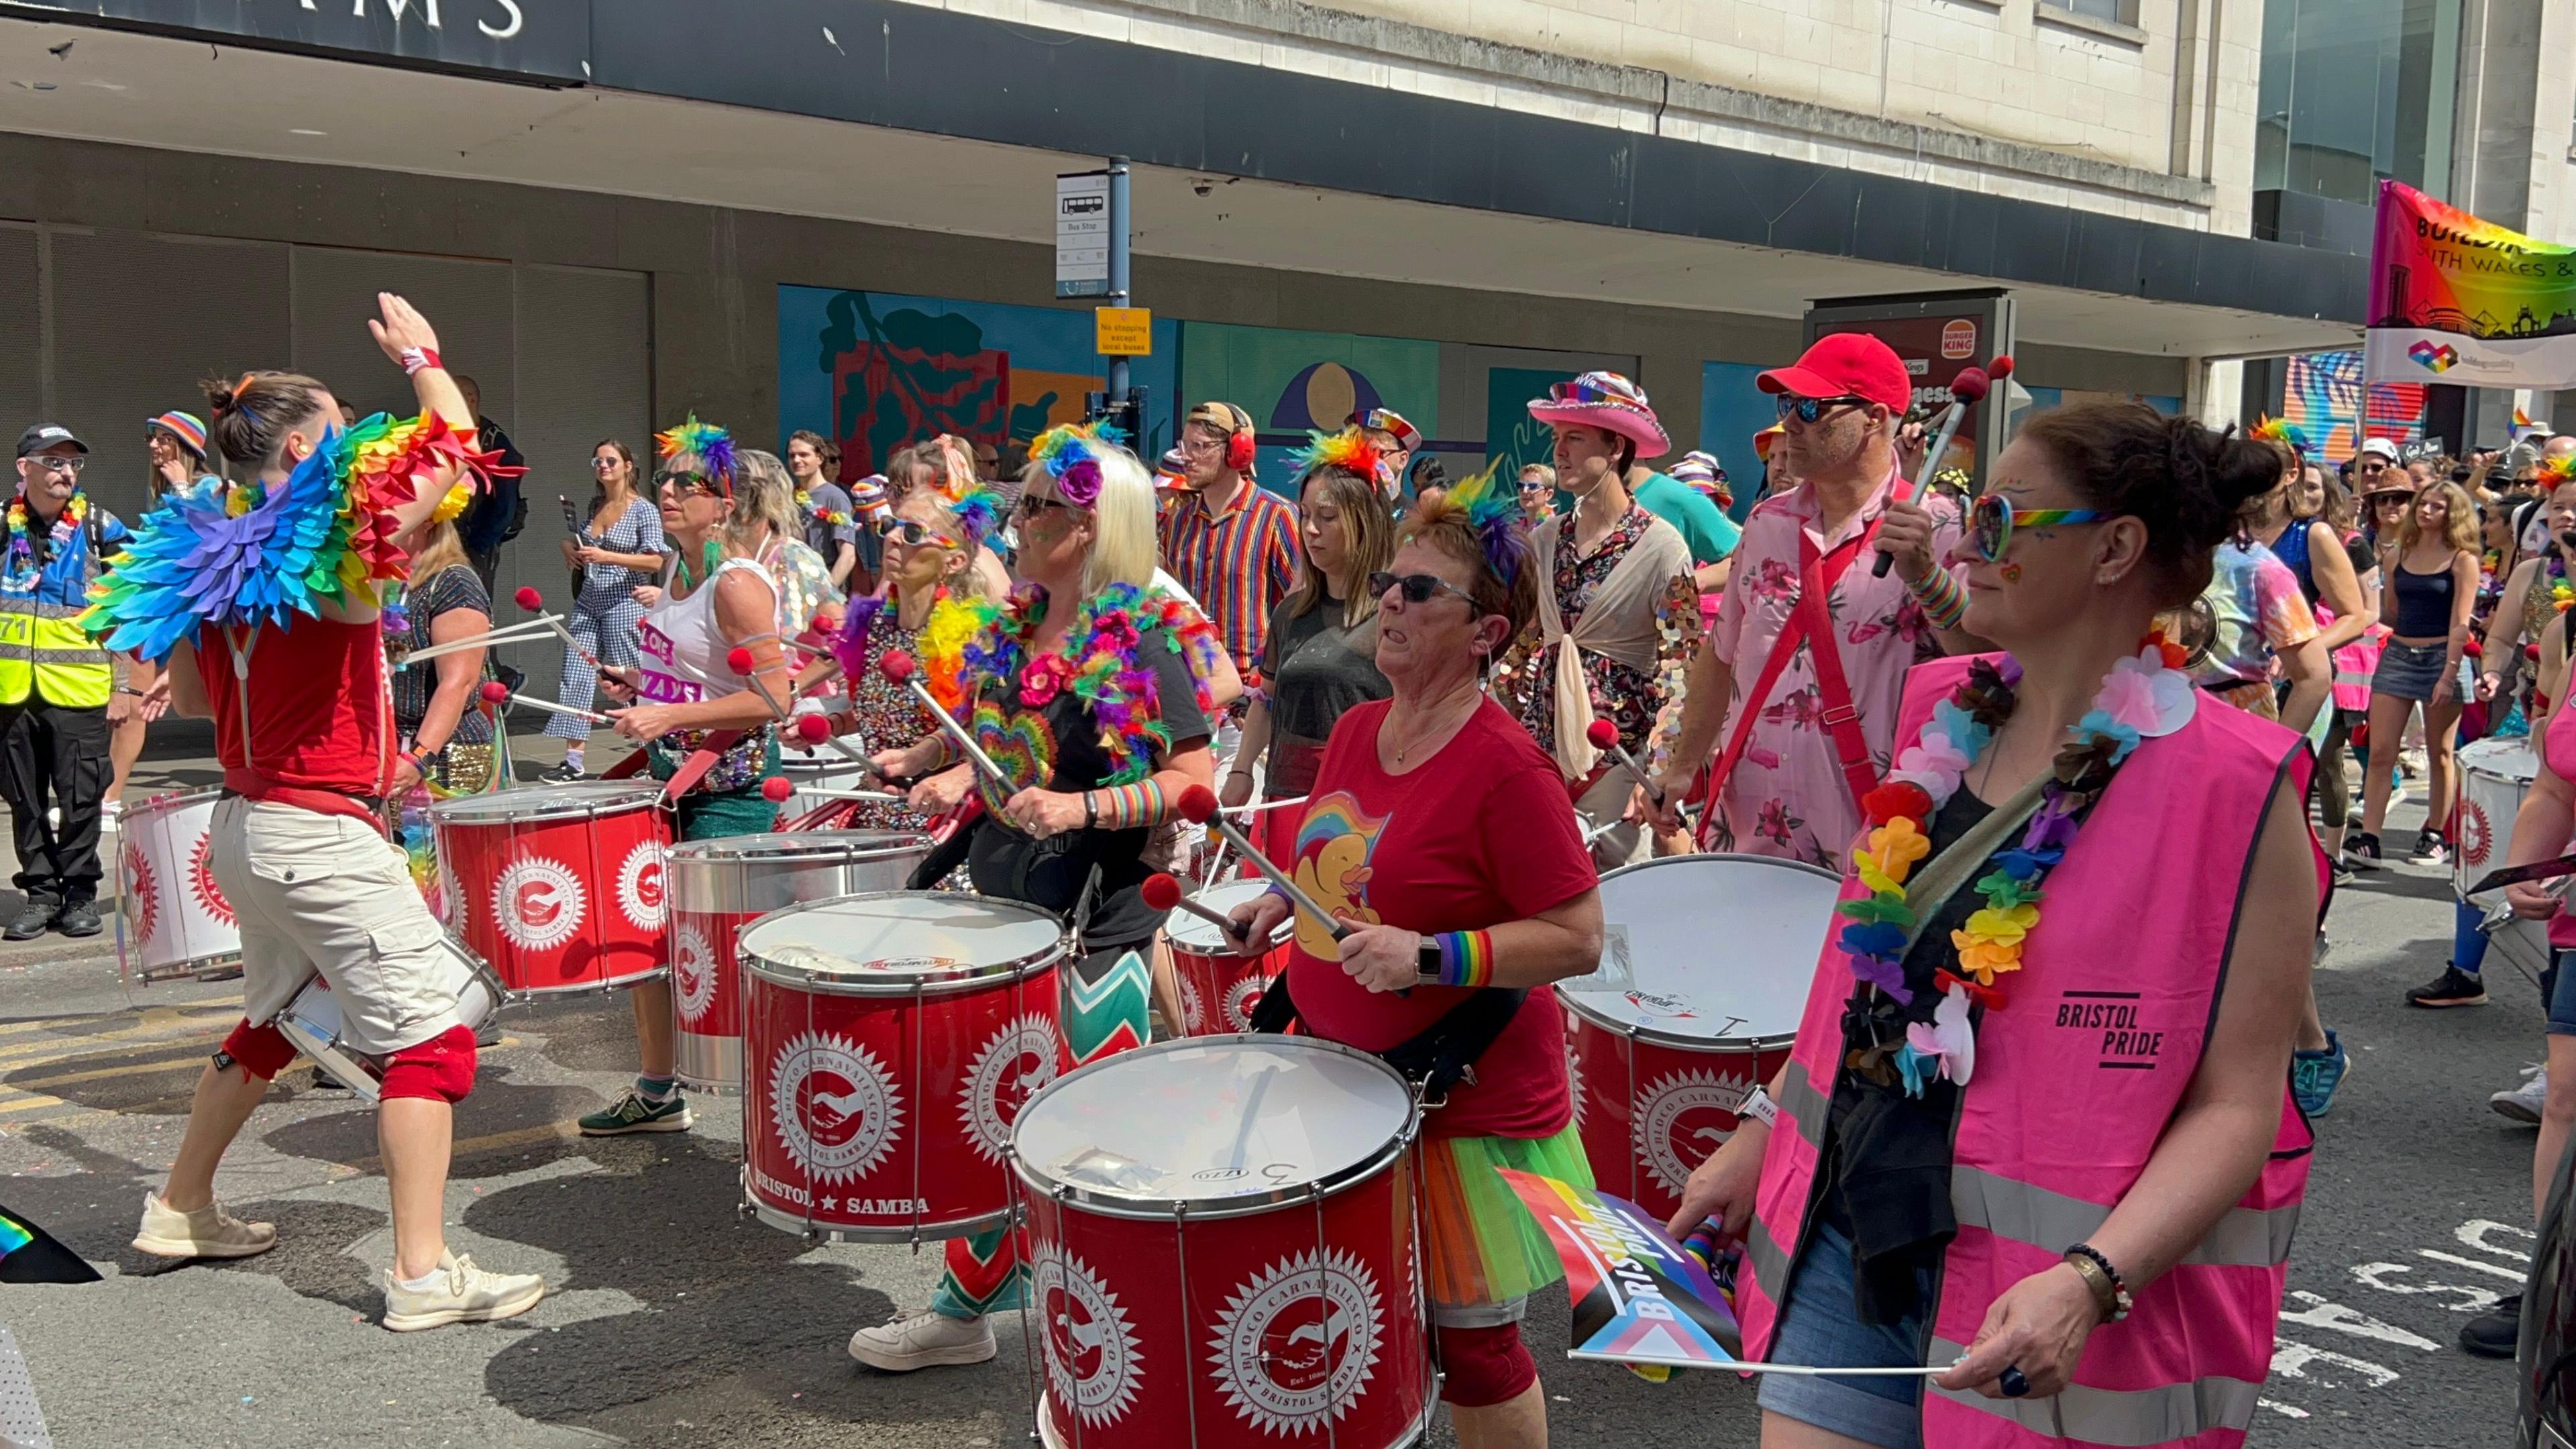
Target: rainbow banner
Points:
(2457, 300)
(1638, 1298)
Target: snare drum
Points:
(312, 1019)
(1718, 952)
(2494, 776)
(560, 888)
(889, 1041)
(720, 886)
(1225, 1250)
(1218, 988)
(172, 919)
(825, 770)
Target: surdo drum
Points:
(1218, 988)
(889, 1042)
(1224, 1249)
(2494, 776)
(312, 1019)
(1719, 951)
(560, 888)
(720, 886)
(173, 920)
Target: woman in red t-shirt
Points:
(1439, 832)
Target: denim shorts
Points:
(2558, 990)
(1817, 1326)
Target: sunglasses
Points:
(1418, 588)
(1809, 409)
(70, 467)
(1992, 519)
(912, 535)
(691, 483)
(602, 465)
(1032, 505)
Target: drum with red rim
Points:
(889, 1041)
(1705, 967)
(172, 919)
(1225, 1250)
(559, 887)
(2494, 776)
(720, 886)
(1218, 988)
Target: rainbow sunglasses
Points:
(1992, 519)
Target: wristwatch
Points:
(1757, 1106)
(1426, 964)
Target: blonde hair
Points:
(441, 548)
(763, 492)
(1122, 520)
(967, 582)
(1368, 526)
(2459, 524)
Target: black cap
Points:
(47, 435)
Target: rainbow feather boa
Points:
(1100, 662)
(248, 556)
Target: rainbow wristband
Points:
(1944, 602)
(1466, 958)
(1125, 807)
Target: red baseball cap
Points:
(1846, 364)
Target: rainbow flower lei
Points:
(806, 505)
(2561, 595)
(22, 570)
(2143, 697)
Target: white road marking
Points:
(2477, 1232)
(2383, 1276)
(2293, 1360)
(2510, 1275)
(2282, 1409)
(2322, 1314)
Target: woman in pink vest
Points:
(2046, 1138)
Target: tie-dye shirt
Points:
(2251, 611)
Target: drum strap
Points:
(1435, 1059)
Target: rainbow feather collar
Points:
(1100, 661)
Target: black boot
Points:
(79, 918)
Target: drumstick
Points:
(495, 692)
(898, 667)
(1605, 737)
(813, 729)
(1198, 806)
(526, 631)
(528, 598)
(1967, 390)
(1162, 893)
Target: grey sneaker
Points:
(209, 1232)
(631, 1113)
(926, 1339)
(459, 1292)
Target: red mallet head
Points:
(2000, 368)
(739, 660)
(529, 598)
(1602, 733)
(896, 666)
(1161, 892)
(776, 789)
(813, 729)
(1971, 385)
(495, 692)
(1197, 804)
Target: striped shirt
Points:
(1239, 564)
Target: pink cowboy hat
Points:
(1608, 401)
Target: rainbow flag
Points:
(2460, 300)
(1639, 1298)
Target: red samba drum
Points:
(720, 886)
(1706, 961)
(312, 1020)
(1218, 988)
(560, 888)
(889, 1041)
(1225, 1250)
(172, 920)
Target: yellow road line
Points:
(158, 1022)
(7, 1089)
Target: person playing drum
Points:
(1092, 694)
(1441, 836)
(2036, 1129)
(304, 729)
(687, 698)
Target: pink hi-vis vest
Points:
(2076, 1078)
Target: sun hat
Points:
(1607, 401)
(184, 427)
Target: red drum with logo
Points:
(889, 1041)
(559, 887)
(1225, 1250)
(172, 920)
(312, 1019)
(720, 886)
(1706, 961)
(1218, 988)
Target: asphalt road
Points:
(674, 1321)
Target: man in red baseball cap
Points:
(1825, 639)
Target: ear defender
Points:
(1239, 443)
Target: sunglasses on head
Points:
(1809, 409)
(912, 535)
(1418, 588)
(1992, 519)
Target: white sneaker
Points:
(2523, 1103)
(459, 1292)
(926, 1339)
(209, 1232)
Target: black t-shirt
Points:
(1314, 671)
(1058, 748)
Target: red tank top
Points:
(313, 726)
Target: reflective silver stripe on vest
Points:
(2244, 1238)
(63, 656)
(1770, 1262)
(1805, 1106)
(2133, 1419)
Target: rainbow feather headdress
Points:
(2281, 430)
(1349, 451)
(2555, 473)
(1071, 454)
(245, 555)
(712, 444)
(1494, 512)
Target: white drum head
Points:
(1218, 1123)
(1189, 933)
(1708, 947)
(546, 802)
(2504, 759)
(895, 941)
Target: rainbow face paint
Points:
(2011, 573)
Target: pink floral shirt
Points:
(1787, 796)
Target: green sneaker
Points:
(631, 1113)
